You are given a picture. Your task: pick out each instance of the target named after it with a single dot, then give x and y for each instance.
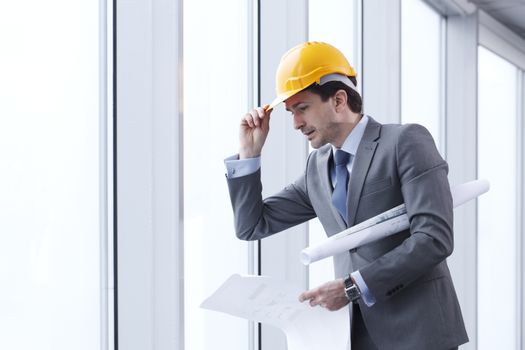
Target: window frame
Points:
(148, 187)
(149, 182)
(497, 38)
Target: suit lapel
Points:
(363, 159)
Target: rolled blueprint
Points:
(385, 224)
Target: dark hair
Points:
(329, 89)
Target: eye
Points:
(302, 108)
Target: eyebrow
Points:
(295, 105)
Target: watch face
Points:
(348, 283)
(351, 290)
(352, 293)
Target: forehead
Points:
(301, 97)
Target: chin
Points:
(317, 145)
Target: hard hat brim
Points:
(284, 97)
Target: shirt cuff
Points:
(368, 298)
(236, 167)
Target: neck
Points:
(349, 123)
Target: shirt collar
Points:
(354, 138)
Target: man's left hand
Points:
(330, 295)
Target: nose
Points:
(298, 122)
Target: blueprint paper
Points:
(267, 300)
(354, 237)
(469, 190)
(385, 224)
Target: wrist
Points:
(244, 153)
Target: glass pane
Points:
(497, 229)
(215, 94)
(333, 27)
(49, 202)
(420, 66)
(325, 24)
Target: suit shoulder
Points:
(404, 132)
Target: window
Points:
(50, 203)
(421, 70)
(215, 93)
(497, 217)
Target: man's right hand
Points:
(253, 130)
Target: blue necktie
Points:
(341, 177)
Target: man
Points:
(400, 289)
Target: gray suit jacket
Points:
(407, 273)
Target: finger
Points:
(248, 119)
(302, 297)
(255, 117)
(267, 108)
(261, 113)
(315, 302)
(265, 124)
(308, 295)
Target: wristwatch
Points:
(351, 289)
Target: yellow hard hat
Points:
(304, 65)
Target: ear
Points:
(340, 100)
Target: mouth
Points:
(308, 133)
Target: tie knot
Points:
(341, 157)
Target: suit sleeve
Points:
(256, 218)
(426, 192)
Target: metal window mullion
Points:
(521, 118)
(167, 167)
(461, 143)
(150, 273)
(110, 173)
(252, 88)
(180, 167)
(442, 87)
(520, 205)
(475, 220)
(113, 221)
(358, 41)
(103, 176)
(179, 240)
(476, 211)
